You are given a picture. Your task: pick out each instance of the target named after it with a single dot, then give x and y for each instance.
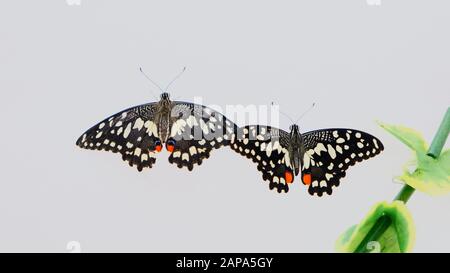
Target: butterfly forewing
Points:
(329, 153)
(132, 132)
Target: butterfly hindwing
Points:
(196, 130)
(266, 146)
(329, 153)
(131, 132)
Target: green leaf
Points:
(410, 137)
(398, 238)
(431, 176)
(423, 173)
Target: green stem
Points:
(405, 193)
(383, 223)
(441, 136)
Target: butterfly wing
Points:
(329, 153)
(132, 133)
(195, 131)
(266, 146)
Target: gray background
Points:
(64, 68)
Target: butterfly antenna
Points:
(306, 112)
(176, 78)
(148, 78)
(284, 114)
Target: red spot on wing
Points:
(170, 147)
(289, 176)
(307, 179)
(158, 148)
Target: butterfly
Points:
(188, 131)
(323, 155)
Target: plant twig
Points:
(405, 193)
(383, 223)
(441, 136)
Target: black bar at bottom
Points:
(218, 262)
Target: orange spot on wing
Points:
(158, 148)
(307, 179)
(170, 148)
(288, 176)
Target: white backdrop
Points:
(65, 67)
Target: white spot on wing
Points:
(286, 158)
(269, 149)
(138, 124)
(137, 152)
(331, 151)
(319, 148)
(306, 161)
(202, 142)
(151, 128)
(277, 146)
(204, 127)
(375, 142)
(263, 146)
(178, 127)
(127, 130)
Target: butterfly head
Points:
(164, 100)
(294, 129)
(165, 96)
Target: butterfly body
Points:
(321, 157)
(296, 148)
(162, 117)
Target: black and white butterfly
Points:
(188, 131)
(323, 155)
